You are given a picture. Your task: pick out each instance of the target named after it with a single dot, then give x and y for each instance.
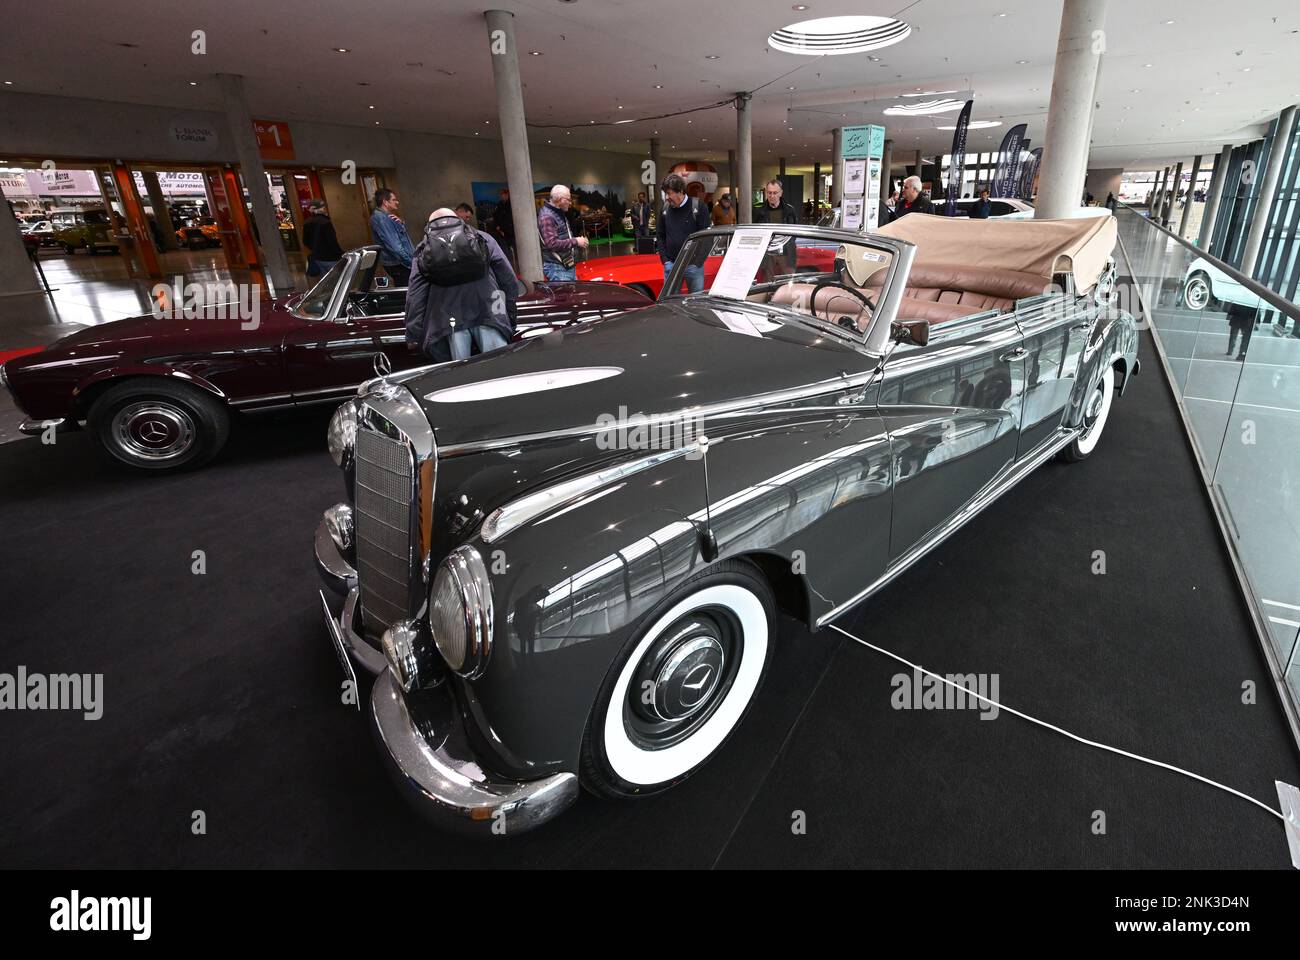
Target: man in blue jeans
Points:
(445, 323)
(681, 216)
(559, 245)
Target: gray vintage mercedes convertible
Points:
(563, 559)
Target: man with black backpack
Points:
(462, 293)
(681, 216)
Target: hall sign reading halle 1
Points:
(274, 141)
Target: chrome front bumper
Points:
(422, 737)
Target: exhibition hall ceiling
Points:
(1167, 89)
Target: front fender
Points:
(805, 491)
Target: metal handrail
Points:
(1258, 289)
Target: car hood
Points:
(669, 358)
(149, 335)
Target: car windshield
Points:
(316, 303)
(824, 280)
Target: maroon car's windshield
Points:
(316, 304)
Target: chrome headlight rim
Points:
(464, 569)
(341, 435)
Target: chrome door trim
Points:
(1016, 472)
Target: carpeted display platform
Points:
(221, 689)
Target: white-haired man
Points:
(912, 200)
(559, 260)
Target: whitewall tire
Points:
(1096, 411)
(682, 684)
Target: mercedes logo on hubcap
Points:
(151, 431)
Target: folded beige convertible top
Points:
(1040, 247)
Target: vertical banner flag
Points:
(1018, 171)
(1008, 156)
(1030, 173)
(957, 168)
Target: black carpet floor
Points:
(221, 690)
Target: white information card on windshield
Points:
(740, 265)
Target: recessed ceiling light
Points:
(372, 106)
(1245, 69)
(1022, 61)
(1001, 14)
(1168, 23)
(790, 88)
(194, 83)
(620, 106)
(659, 86)
(1147, 64)
(800, 7)
(9, 83)
(342, 50)
(710, 56)
(831, 36)
(534, 53)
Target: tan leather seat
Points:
(831, 304)
(942, 292)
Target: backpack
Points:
(452, 253)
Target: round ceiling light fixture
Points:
(975, 125)
(927, 93)
(924, 109)
(832, 36)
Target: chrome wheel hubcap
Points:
(1198, 294)
(153, 430)
(682, 678)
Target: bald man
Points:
(448, 322)
(559, 245)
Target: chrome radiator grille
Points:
(384, 493)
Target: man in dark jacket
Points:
(681, 216)
(773, 209)
(979, 210)
(1241, 323)
(640, 214)
(443, 322)
(321, 241)
(912, 200)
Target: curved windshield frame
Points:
(316, 305)
(839, 281)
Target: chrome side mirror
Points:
(911, 331)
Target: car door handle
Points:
(1017, 354)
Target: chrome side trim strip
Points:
(696, 414)
(531, 506)
(1000, 485)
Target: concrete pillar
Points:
(1171, 197)
(837, 170)
(1069, 115)
(886, 161)
(1158, 197)
(656, 164)
(1191, 192)
(17, 275)
(161, 213)
(780, 171)
(745, 158)
(1216, 194)
(731, 176)
(253, 174)
(1267, 192)
(916, 166)
(817, 186)
(514, 141)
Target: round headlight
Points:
(460, 612)
(342, 434)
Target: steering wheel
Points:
(852, 291)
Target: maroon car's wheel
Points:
(158, 425)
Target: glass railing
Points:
(1232, 351)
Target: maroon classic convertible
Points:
(157, 393)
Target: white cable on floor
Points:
(1064, 733)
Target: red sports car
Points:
(644, 272)
(158, 392)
